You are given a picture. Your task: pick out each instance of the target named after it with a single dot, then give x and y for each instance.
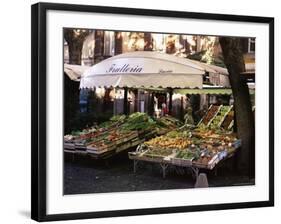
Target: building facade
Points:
(100, 45)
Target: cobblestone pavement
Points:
(84, 175)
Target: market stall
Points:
(142, 70)
(202, 147)
(135, 70)
(118, 134)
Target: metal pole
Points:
(135, 165)
(170, 101)
(125, 106)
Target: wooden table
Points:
(167, 161)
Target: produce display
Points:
(119, 133)
(111, 140)
(87, 134)
(196, 147)
(211, 113)
(159, 152)
(168, 142)
(200, 148)
(228, 121)
(163, 139)
(216, 122)
(189, 154)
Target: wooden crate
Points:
(200, 165)
(204, 117)
(181, 162)
(69, 146)
(152, 158)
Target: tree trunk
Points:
(75, 53)
(198, 43)
(75, 40)
(71, 99)
(185, 45)
(233, 59)
(99, 46)
(148, 43)
(118, 43)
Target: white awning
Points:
(218, 69)
(74, 72)
(144, 69)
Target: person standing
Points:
(188, 118)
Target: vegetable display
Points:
(188, 154)
(216, 122)
(161, 138)
(202, 148)
(211, 113)
(119, 133)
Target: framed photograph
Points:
(138, 111)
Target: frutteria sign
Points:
(125, 68)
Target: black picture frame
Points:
(38, 108)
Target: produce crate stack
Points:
(110, 142)
(79, 140)
(218, 119)
(209, 116)
(228, 120)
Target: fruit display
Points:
(216, 122)
(167, 142)
(87, 134)
(218, 134)
(120, 132)
(112, 140)
(211, 113)
(225, 109)
(183, 139)
(229, 118)
(201, 148)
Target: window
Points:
(251, 45)
(109, 43)
(65, 52)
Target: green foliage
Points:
(199, 56)
(139, 121)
